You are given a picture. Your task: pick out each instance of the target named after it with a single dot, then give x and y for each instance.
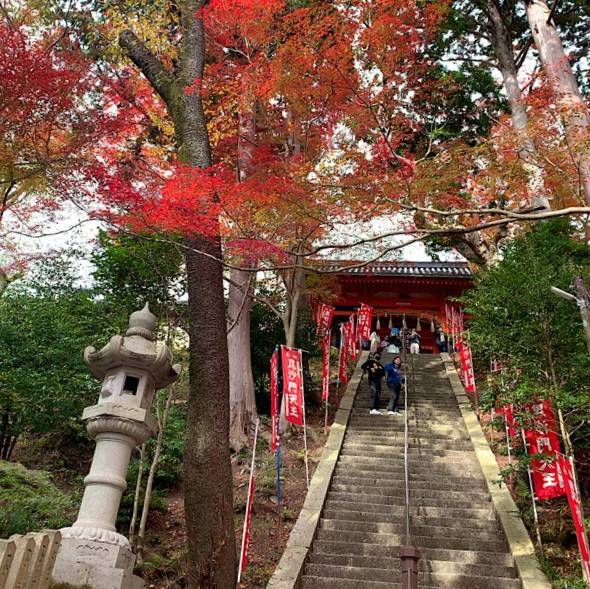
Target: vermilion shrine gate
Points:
(417, 291)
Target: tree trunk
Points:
(208, 482)
(136, 495)
(242, 400)
(295, 286)
(162, 420)
(507, 66)
(565, 88)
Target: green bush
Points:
(29, 501)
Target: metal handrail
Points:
(406, 440)
(409, 554)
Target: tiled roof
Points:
(414, 269)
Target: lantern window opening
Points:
(131, 385)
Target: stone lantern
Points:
(132, 368)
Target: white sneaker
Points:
(391, 413)
(375, 412)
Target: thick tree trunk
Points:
(507, 66)
(574, 110)
(242, 401)
(208, 482)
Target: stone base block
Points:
(99, 565)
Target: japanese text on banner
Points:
(466, 366)
(325, 315)
(542, 438)
(365, 318)
(292, 385)
(326, 367)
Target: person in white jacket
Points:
(375, 343)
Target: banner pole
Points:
(326, 351)
(304, 423)
(585, 571)
(248, 503)
(278, 468)
(535, 513)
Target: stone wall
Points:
(26, 562)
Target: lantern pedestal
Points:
(91, 551)
(90, 557)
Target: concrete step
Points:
(434, 579)
(396, 431)
(420, 541)
(417, 473)
(417, 520)
(418, 467)
(417, 426)
(439, 483)
(383, 422)
(435, 566)
(422, 455)
(376, 499)
(413, 442)
(399, 528)
(417, 492)
(311, 582)
(482, 513)
(500, 559)
(421, 430)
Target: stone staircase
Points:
(453, 522)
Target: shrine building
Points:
(414, 291)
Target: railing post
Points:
(409, 556)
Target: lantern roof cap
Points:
(137, 349)
(143, 323)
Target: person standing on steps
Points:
(375, 343)
(415, 340)
(375, 373)
(394, 384)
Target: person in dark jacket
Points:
(394, 383)
(375, 372)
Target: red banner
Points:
(343, 353)
(274, 400)
(573, 497)
(325, 315)
(248, 521)
(293, 385)
(365, 319)
(466, 366)
(326, 367)
(352, 339)
(542, 438)
(348, 331)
